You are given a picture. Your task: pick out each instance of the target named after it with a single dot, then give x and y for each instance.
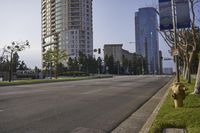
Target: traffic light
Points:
(95, 50)
(99, 51)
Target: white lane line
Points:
(90, 92)
(1, 110)
(20, 92)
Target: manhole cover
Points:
(174, 130)
(87, 130)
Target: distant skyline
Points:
(113, 22)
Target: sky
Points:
(113, 22)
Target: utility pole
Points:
(175, 38)
(146, 55)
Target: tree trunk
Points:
(189, 75)
(186, 73)
(197, 85)
(188, 67)
(184, 68)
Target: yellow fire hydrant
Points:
(178, 90)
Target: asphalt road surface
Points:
(65, 106)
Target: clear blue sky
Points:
(113, 23)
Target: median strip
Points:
(38, 81)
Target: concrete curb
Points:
(150, 120)
(142, 119)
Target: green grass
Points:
(186, 117)
(36, 81)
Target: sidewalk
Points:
(141, 120)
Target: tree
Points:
(52, 58)
(13, 49)
(76, 64)
(197, 84)
(109, 62)
(196, 35)
(99, 61)
(125, 64)
(15, 62)
(22, 66)
(83, 63)
(70, 64)
(137, 64)
(186, 42)
(92, 65)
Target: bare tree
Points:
(186, 42)
(11, 50)
(195, 33)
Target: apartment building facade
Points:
(67, 25)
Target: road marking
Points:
(1, 110)
(20, 92)
(90, 92)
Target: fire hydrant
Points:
(178, 90)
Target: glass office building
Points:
(146, 34)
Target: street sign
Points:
(182, 12)
(175, 52)
(165, 11)
(166, 59)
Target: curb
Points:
(146, 127)
(142, 119)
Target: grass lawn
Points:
(186, 117)
(33, 81)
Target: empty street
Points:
(65, 106)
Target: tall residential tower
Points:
(146, 35)
(67, 24)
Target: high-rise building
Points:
(67, 24)
(146, 34)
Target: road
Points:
(65, 106)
